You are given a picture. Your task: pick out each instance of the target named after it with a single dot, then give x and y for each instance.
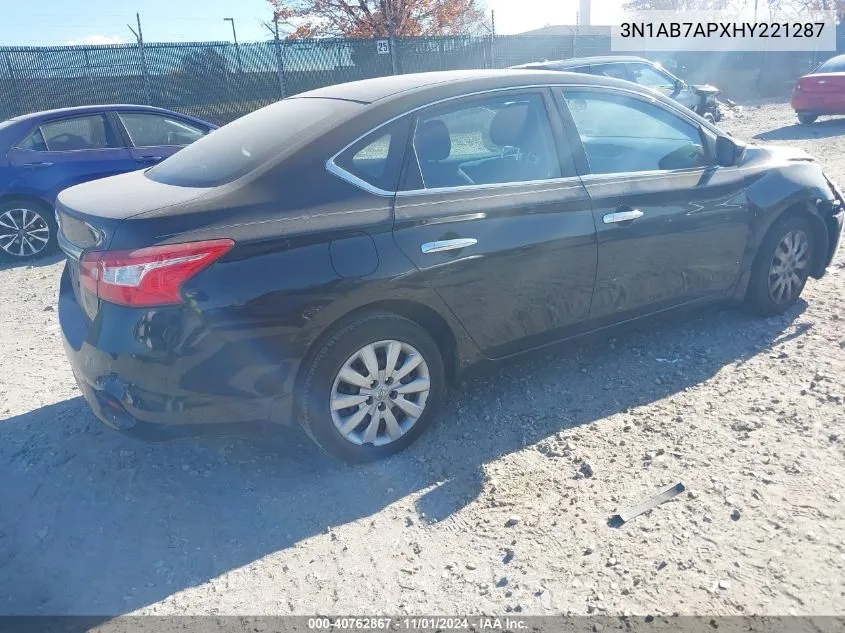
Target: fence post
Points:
(90, 76)
(492, 38)
(280, 69)
(392, 41)
(15, 91)
(146, 72)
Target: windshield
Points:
(832, 65)
(242, 146)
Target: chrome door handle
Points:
(622, 216)
(447, 245)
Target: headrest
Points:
(432, 141)
(512, 124)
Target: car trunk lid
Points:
(822, 83)
(89, 215)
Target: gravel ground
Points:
(491, 511)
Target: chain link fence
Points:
(219, 81)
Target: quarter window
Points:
(489, 141)
(624, 134)
(85, 132)
(34, 142)
(149, 130)
(377, 158)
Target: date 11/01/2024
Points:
(721, 29)
(420, 623)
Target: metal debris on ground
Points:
(664, 495)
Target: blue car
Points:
(43, 153)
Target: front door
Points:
(154, 137)
(672, 226)
(493, 215)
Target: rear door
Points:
(493, 214)
(67, 151)
(672, 226)
(153, 137)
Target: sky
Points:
(62, 22)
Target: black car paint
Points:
(233, 351)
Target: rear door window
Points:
(77, 133)
(486, 141)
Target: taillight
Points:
(148, 276)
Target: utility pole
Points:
(139, 37)
(237, 48)
(280, 72)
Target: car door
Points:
(672, 226)
(67, 151)
(492, 213)
(153, 137)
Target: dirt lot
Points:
(747, 413)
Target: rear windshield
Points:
(832, 65)
(242, 146)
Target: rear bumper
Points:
(822, 103)
(163, 374)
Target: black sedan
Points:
(339, 257)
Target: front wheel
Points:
(806, 119)
(372, 388)
(782, 266)
(27, 230)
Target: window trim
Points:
(106, 125)
(584, 165)
(341, 173)
(127, 137)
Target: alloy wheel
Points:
(379, 393)
(789, 267)
(23, 232)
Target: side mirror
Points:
(728, 151)
(679, 85)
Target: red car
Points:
(821, 92)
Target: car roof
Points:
(89, 109)
(393, 87)
(584, 61)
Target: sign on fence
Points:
(383, 47)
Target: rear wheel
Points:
(372, 388)
(782, 266)
(27, 230)
(806, 119)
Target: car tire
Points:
(781, 267)
(806, 119)
(38, 221)
(376, 423)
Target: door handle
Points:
(149, 159)
(37, 165)
(448, 245)
(622, 216)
